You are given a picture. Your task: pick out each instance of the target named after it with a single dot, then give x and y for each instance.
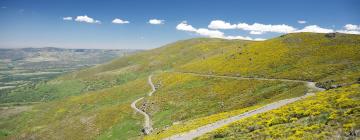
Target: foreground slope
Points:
(330, 114)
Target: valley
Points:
(22, 69)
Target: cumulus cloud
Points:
(348, 32)
(86, 19)
(352, 27)
(255, 29)
(120, 21)
(219, 24)
(315, 29)
(210, 33)
(258, 27)
(259, 39)
(67, 18)
(184, 26)
(302, 21)
(156, 21)
(238, 37)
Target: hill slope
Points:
(306, 56)
(104, 112)
(330, 114)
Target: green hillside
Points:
(122, 70)
(94, 103)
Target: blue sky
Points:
(40, 23)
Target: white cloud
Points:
(302, 21)
(67, 18)
(258, 27)
(315, 29)
(156, 21)
(352, 27)
(259, 39)
(219, 24)
(86, 19)
(210, 33)
(348, 32)
(120, 21)
(256, 32)
(183, 26)
(237, 37)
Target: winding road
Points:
(211, 127)
(147, 124)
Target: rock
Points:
(146, 130)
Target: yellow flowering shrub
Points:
(333, 113)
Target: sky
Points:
(146, 24)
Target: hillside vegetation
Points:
(100, 85)
(97, 103)
(23, 71)
(332, 61)
(329, 114)
(82, 117)
(122, 70)
(183, 97)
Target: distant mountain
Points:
(28, 65)
(50, 57)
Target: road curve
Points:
(147, 123)
(211, 127)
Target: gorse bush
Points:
(329, 114)
(184, 97)
(305, 56)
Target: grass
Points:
(184, 97)
(122, 70)
(94, 103)
(305, 56)
(82, 117)
(44, 91)
(327, 115)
